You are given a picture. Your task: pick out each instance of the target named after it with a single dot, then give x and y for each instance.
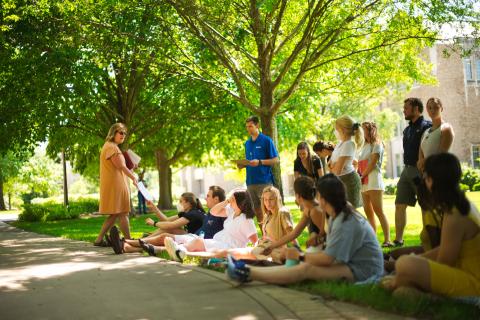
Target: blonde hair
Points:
(113, 130)
(278, 203)
(352, 128)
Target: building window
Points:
(467, 63)
(478, 70)
(476, 156)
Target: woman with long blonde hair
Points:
(277, 222)
(350, 137)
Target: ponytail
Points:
(353, 128)
(199, 205)
(193, 201)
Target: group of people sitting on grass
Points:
(344, 245)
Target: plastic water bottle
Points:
(202, 234)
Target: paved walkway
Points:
(43, 277)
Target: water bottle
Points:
(202, 234)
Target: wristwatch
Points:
(260, 162)
(301, 257)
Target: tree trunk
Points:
(269, 128)
(2, 201)
(164, 180)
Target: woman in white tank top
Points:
(439, 137)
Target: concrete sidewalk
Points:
(43, 277)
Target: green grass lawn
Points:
(87, 228)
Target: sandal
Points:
(147, 247)
(117, 243)
(102, 243)
(388, 244)
(397, 243)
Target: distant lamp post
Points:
(65, 186)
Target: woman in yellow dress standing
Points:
(114, 191)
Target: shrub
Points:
(28, 197)
(84, 206)
(50, 211)
(476, 187)
(464, 187)
(470, 177)
(391, 189)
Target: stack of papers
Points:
(144, 191)
(134, 157)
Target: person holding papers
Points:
(261, 155)
(114, 191)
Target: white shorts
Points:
(185, 238)
(214, 245)
(375, 181)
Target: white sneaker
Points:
(173, 251)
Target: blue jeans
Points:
(142, 206)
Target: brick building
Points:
(458, 87)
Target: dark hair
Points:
(436, 101)
(332, 189)
(320, 145)
(194, 201)
(305, 187)
(253, 119)
(244, 203)
(304, 146)
(217, 192)
(445, 171)
(415, 102)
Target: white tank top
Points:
(431, 141)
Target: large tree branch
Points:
(204, 34)
(301, 44)
(355, 52)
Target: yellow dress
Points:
(114, 192)
(463, 279)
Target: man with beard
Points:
(407, 184)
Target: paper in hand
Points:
(144, 191)
(135, 158)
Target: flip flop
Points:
(102, 243)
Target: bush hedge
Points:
(470, 177)
(49, 211)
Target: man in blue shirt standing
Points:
(410, 177)
(261, 153)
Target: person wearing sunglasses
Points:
(114, 191)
